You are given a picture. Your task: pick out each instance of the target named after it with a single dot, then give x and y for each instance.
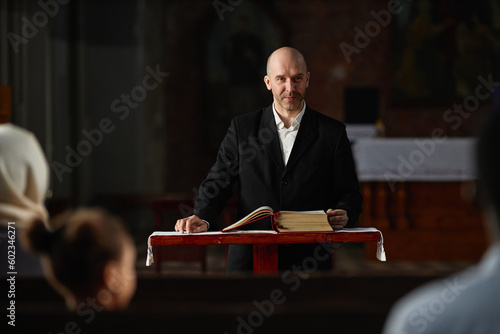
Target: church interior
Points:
(131, 99)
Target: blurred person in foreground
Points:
(469, 301)
(24, 180)
(89, 257)
(24, 176)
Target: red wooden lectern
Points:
(265, 243)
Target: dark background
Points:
(89, 53)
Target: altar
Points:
(417, 192)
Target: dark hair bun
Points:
(37, 238)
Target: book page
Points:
(262, 212)
(312, 212)
(303, 222)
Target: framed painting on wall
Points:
(442, 47)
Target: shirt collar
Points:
(295, 123)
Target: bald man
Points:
(286, 156)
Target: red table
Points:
(265, 243)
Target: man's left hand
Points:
(337, 218)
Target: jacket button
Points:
(284, 182)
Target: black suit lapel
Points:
(305, 137)
(268, 136)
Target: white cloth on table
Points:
(380, 244)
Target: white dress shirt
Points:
(287, 135)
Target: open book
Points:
(287, 221)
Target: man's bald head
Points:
(288, 79)
(285, 54)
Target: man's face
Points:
(288, 80)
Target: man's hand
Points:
(337, 218)
(191, 224)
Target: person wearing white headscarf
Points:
(24, 177)
(24, 180)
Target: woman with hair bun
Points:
(89, 256)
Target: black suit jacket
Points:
(320, 174)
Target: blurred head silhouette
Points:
(89, 257)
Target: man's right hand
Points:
(191, 224)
